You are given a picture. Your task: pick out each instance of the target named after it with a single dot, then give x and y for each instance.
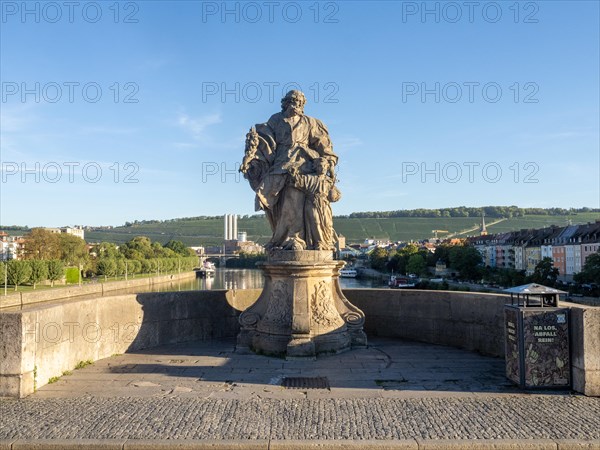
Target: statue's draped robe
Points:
(318, 217)
(283, 145)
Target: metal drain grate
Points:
(305, 383)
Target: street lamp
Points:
(5, 277)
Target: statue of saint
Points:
(290, 164)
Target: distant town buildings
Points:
(568, 247)
(198, 250)
(242, 246)
(234, 241)
(75, 231)
(13, 247)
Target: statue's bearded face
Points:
(294, 106)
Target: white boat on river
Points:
(348, 273)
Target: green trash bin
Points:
(537, 339)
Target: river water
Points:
(247, 279)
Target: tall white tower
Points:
(229, 226)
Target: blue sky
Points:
(116, 111)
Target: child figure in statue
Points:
(319, 189)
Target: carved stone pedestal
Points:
(301, 311)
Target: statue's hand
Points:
(248, 158)
(252, 140)
(250, 150)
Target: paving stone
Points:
(342, 445)
(5, 444)
(499, 444)
(144, 384)
(70, 444)
(181, 403)
(145, 444)
(578, 444)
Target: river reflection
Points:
(247, 279)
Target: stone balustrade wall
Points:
(42, 340)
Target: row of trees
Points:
(35, 271)
(114, 267)
(14, 228)
(182, 219)
(185, 219)
(18, 272)
(140, 248)
(140, 255)
(464, 211)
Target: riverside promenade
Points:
(393, 394)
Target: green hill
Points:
(196, 232)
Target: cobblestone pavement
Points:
(391, 390)
(553, 417)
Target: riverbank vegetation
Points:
(465, 263)
(50, 258)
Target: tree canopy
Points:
(590, 272)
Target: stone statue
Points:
(302, 310)
(290, 164)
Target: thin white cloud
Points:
(184, 145)
(15, 119)
(197, 126)
(346, 142)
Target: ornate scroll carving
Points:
(279, 309)
(323, 309)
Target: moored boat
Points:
(207, 269)
(348, 273)
(398, 282)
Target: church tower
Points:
(483, 229)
